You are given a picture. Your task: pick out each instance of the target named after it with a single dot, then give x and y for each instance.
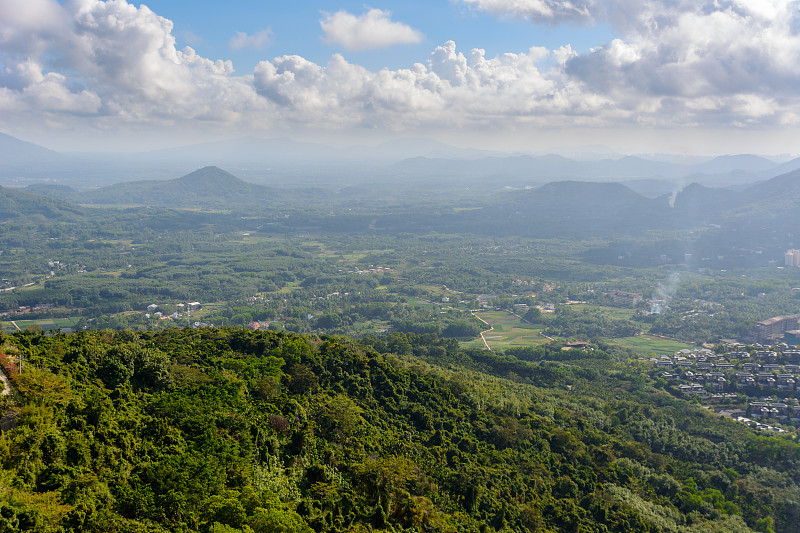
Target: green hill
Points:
(18, 204)
(62, 192)
(231, 430)
(778, 196)
(209, 187)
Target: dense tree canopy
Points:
(230, 430)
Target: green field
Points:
(509, 330)
(617, 313)
(44, 323)
(646, 345)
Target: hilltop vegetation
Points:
(229, 430)
(19, 204)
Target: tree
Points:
(533, 315)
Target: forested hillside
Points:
(231, 430)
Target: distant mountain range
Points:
(402, 163)
(209, 188)
(579, 209)
(212, 187)
(525, 170)
(763, 215)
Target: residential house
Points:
(779, 410)
(792, 356)
(716, 380)
(786, 383)
(766, 379)
(755, 408)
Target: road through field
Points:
(485, 331)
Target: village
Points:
(753, 383)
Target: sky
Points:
(636, 76)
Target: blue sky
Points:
(208, 27)
(686, 76)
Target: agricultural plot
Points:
(508, 330)
(646, 345)
(617, 313)
(47, 324)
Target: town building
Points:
(774, 328)
(625, 298)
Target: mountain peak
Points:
(211, 177)
(15, 151)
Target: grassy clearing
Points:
(44, 323)
(648, 344)
(425, 304)
(616, 313)
(289, 287)
(509, 330)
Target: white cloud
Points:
(47, 93)
(110, 61)
(539, 10)
(452, 90)
(373, 29)
(111, 65)
(671, 52)
(740, 54)
(257, 41)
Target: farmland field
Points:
(508, 330)
(44, 323)
(646, 345)
(617, 313)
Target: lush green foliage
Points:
(230, 430)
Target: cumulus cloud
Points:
(451, 89)
(673, 63)
(25, 86)
(257, 41)
(690, 53)
(551, 11)
(683, 61)
(110, 60)
(373, 29)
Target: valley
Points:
(336, 349)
